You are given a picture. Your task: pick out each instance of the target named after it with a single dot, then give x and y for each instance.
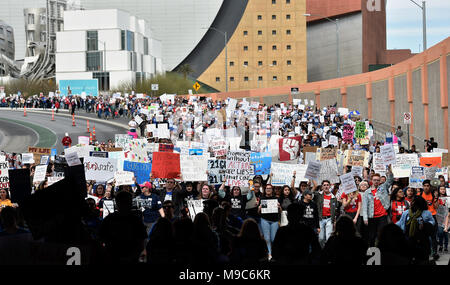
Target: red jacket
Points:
(66, 141)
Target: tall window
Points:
(145, 46)
(92, 40)
(130, 40)
(30, 19)
(245, 47)
(288, 17)
(259, 33)
(122, 40)
(42, 19)
(31, 36)
(260, 63)
(94, 61)
(259, 17)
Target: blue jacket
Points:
(426, 216)
(382, 194)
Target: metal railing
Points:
(380, 129)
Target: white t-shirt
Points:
(132, 124)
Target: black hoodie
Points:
(310, 214)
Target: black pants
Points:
(434, 242)
(374, 227)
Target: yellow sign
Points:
(196, 86)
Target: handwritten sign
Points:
(216, 171)
(4, 177)
(388, 154)
(348, 184)
(326, 153)
(122, 140)
(99, 169)
(378, 165)
(194, 167)
(218, 147)
(283, 173)
(124, 178)
(348, 134)
(166, 165)
(165, 147)
(403, 164)
(39, 173)
(313, 170)
(360, 130)
(27, 158)
(328, 171)
(356, 158)
(238, 169)
(83, 140)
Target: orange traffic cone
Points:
(90, 137)
(88, 126)
(24, 111)
(53, 114)
(73, 120)
(94, 133)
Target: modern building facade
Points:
(6, 46)
(109, 45)
(352, 37)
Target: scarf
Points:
(413, 223)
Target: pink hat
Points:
(146, 184)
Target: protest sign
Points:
(357, 171)
(328, 171)
(261, 162)
(431, 159)
(417, 177)
(430, 172)
(4, 177)
(72, 159)
(403, 164)
(83, 140)
(333, 140)
(378, 165)
(108, 208)
(82, 151)
(141, 170)
(195, 151)
(27, 158)
(165, 147)
(166, 165)
(194, 207)
(348, 134)
(360, 130)
(138, 119)
(356, 158)
(44, 159)
(283, 173)
(194, 167)
(388, 154)
(39, 173)
(216, 171)
(326, 153)
(122, 140)
(313, 170)
(348, 184)
(218, 147)
(289, 148)
(52, 180)
(258, 143)
(269, 206)
(38, 152)
(238, 168)
(124, 178)
(103, 154)
(99, 169)
(163, 131)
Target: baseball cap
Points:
(146, 184)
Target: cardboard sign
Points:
(357, 171)
(313, 171)
(124, 178)
(328, 171)
(194, 167)
(38, 152)
(216, 171)
(166, 165)
(289, 148)
(138, 119)
(141, 170)
(194, 207)
(333, 140)
(356, 158)
(99, 169)
(4, 176)
(27, 158)
(39, 173)
(238, 169)
(326, 153)
(348, 184)
(44, 159)
(261, 161)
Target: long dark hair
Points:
(394, 195)
(250, 231)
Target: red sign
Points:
(289, 148)
(166, 165)
(165, 147)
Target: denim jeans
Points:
(326, 228)
(269, 230)
(443, 237)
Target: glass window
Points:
(246, 63)
(130, 40)
(259, 33)
(145, 46)
(42, 36)
(259, 17)
(289, 78)
(31, 36)
(288, 47)
(274, 32)
(274, 1)
(288, 1)
(92, 40)
(31, 19)
(122, 39)
(288, 17)
(274, 62)
(260, 78)
(231, 78)
(288, 62)
(231, 63)
(94, 61)
(274, 78)
(260, 63)
(217, 79)
(103, 80)
(245, 33)
(274, 47)
(245, 78)
(259, 47)
(274, 17)
(42, 19)
(245, 47)
(288, 32)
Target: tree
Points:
(186, 69)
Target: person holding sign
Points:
(269, 209)
(150, 205)
(109, 196)
(352, 205)
(327, 205)
(237, 201)
(375, 205)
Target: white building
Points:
(132, 53)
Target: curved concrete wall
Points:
(419, 85)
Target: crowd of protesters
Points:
(315, 223)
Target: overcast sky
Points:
(404, 23)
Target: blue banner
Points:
(193, 151)
(141, 170)
(262, 162)
(89, 86)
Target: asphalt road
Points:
(19, 132)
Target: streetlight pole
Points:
(226, 54)
(336, 22)
(424, 22)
